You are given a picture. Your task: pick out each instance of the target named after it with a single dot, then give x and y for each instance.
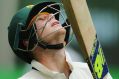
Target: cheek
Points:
(39, 25)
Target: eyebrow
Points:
(32, 20)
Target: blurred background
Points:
(105, 15)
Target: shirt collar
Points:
(40, 67)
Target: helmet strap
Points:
(45, 45)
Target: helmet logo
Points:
(29, 6)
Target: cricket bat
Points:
(79, 16)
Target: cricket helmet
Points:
(19, 30)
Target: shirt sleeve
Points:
(108, 76)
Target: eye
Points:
(51, 17)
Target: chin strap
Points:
(45, 45)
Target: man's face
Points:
(51, 25)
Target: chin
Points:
(59, 35)
(61, 32)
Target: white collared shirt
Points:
(79, 71)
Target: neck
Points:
(54, 60)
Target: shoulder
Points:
(83, 68)
(32, 74)
(80, 65)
